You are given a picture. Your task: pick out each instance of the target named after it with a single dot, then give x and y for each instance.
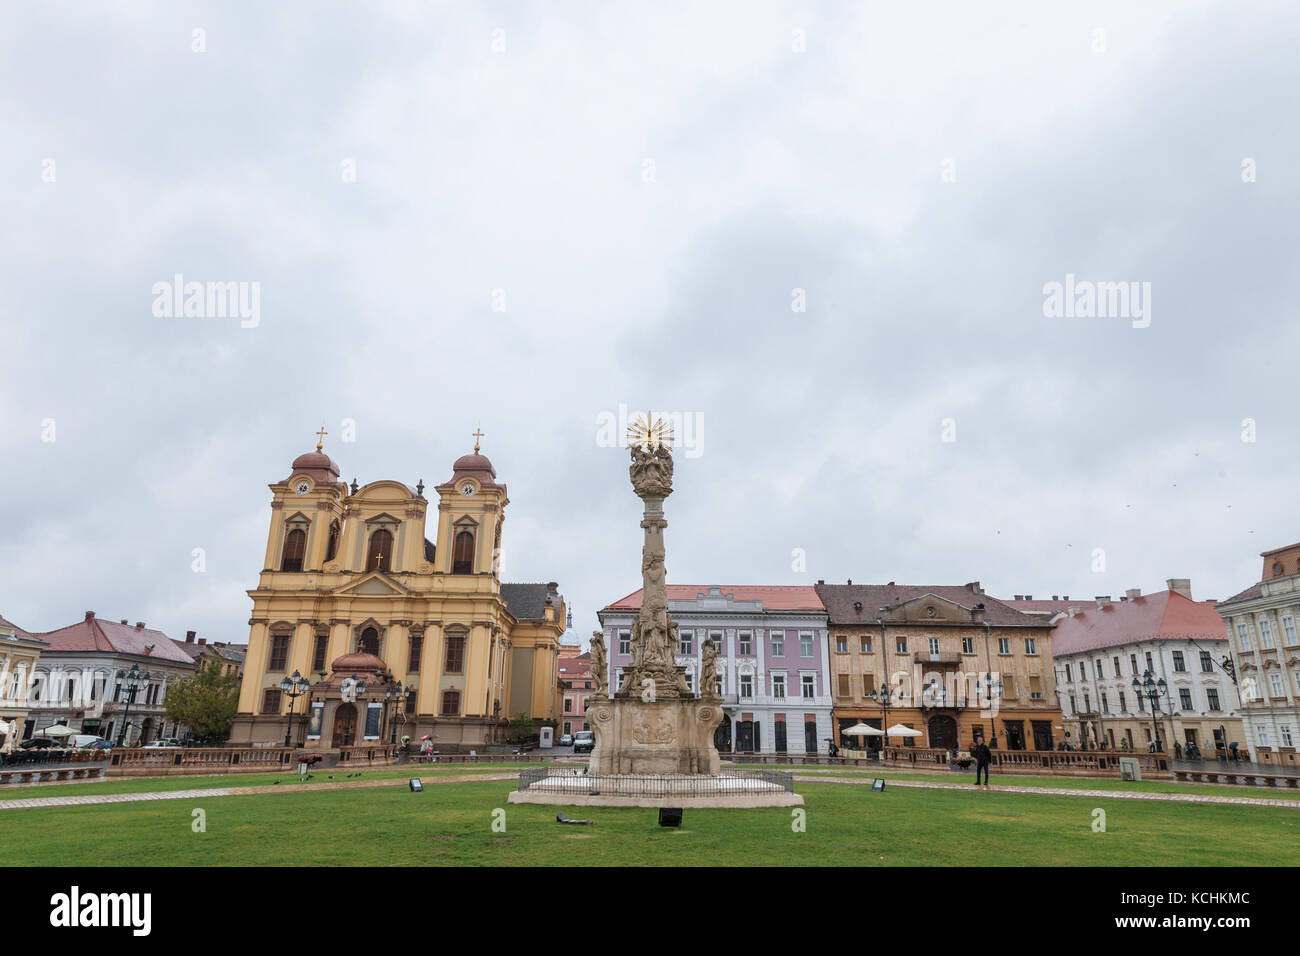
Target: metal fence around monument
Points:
(661, 785)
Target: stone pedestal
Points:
(654, 737)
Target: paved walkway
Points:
(92, 799)
(1071, 792)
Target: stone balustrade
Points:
(155, 761)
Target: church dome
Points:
(317, 465)
(474, 465)
(358, 661)
(314, 459)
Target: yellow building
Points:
(351, 587)
(951, 663)
(19, 652)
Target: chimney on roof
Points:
(90, 615)
(1072, 611)
(203, 640)
(1055, 598)
(139, 625)
(1018, 597)
(850, 580)
(1103, 601)
(123, 620)
(1133, 594)
(974, 587)
(1182, 585)
(821, 580)
(189, 637)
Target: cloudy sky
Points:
(488, 214)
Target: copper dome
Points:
(317, 465)
(358, 661)
(473, 462)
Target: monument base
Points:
(698, 791)
(634, 736)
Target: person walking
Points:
(983, 757)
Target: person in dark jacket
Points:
(983, 757)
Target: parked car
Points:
(39, 743)
(584, 741)
(566, 740)
(168, 743)
(89, 742)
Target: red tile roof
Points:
(1047, 605)
(1165, 615)
(93, 634)
(792, 597)
(1254, 591)
(841, 601)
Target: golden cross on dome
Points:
(649, 432)
(477, 435)
(320, 437)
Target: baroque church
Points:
(365, 631)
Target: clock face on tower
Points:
(302, 487)
(467, 489)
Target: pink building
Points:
(575, 674)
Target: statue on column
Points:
(599, 664)
(708, 668)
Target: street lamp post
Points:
(132, 681)
(1153, 690)
(884, 696)
(400, 697)
(992, 691)
(293, 687)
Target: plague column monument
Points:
(654, 724)
(654, 736)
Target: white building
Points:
(1100, 647)
(78, 680)
(1265, 640)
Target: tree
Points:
(205, 703)
(521, 727)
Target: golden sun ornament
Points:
(647, 435)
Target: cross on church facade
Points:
(477, 435)
(320, 437)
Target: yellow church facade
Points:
(390, 632)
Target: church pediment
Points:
(930, 608)
(375, 582)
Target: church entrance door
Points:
(345, 726)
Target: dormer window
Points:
(295, 546)
(380, 555)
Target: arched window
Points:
(295, 546)
(332, 548)
(381, 551)
(368, 643)
(462, 556)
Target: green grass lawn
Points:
(451, 824)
